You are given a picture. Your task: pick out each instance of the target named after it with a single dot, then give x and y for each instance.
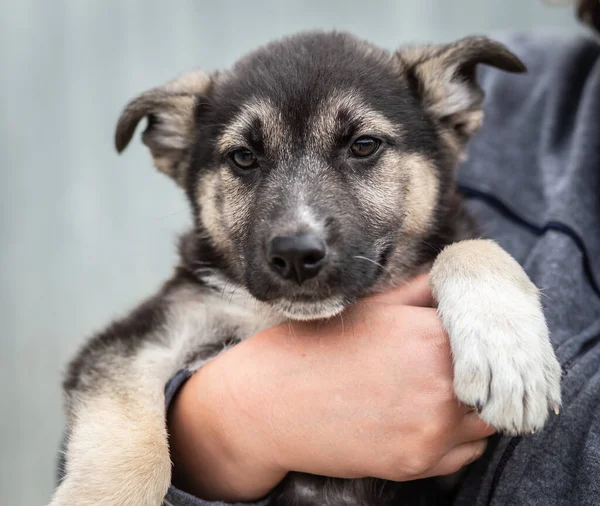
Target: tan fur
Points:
(443, 96)
(405, 186)
(445, 92)
(372, 122)
(237, 204)
(483, 256)
(132, 419)
(170, 138)
(209, 186)
(194, 82)
(221, 221)
(417, 202)
(379, 195)
(421, 195)
(274, 128)
(170, 141)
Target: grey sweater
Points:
(533, 181)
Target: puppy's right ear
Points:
(171, 128)
(444, 79)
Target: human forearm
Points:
(218, 454)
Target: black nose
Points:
(298, 257)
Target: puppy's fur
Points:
(299, 105)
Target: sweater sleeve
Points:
(176, 497)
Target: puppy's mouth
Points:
(307, 306)
(310, 308)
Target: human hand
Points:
(365, 394)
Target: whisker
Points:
(224, 288)
(364, 303)
(359, 257)
(232, 294)
(543, 295)
(292, 331)
(434, 247)
(352, 326)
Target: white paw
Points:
(504, 363)
(510, 375)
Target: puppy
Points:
(319, 169)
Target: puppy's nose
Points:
(298, 257)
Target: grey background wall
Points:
(84, 234)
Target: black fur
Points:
(297, 76)
(122, 338)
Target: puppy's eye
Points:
(244, 158)
(364, 146)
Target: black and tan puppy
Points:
(319, 169)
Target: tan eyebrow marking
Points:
(371, 121)
(273, 127)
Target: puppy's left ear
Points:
(170, 133)
(444, 78)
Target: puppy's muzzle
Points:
(297, 257)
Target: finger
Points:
(457, 458)
(472, 429)
(415, 292)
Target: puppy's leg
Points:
(117, 449)
(504, 363)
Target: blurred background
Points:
(84, 234)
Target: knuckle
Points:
(420, 464)
(408, 465)
(433, 433)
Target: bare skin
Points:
(369, 395)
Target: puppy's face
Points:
(319, 166)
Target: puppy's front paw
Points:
(504, 363)
(510, 374)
